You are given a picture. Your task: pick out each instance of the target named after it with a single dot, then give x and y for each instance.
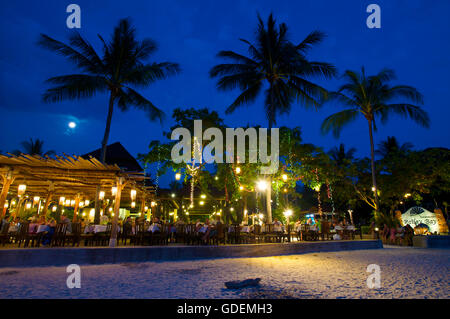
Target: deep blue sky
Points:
(413, 40)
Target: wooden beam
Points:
(8, 179)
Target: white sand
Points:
(405, 273)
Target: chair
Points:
(220, 236)
(235, 234)
(75, 236)
(139, 234)
(21, 234)
(325, 230)
(102, 238)
(161, 236)
(4, 235)
(304, 232)
(127, 233)
(59, 236)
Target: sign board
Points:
(418, 215)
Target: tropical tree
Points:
(276, 66)
(373, 97)
(34, 147)
(341, 156)
(117, 71)
(391, 147)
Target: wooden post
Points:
(8, 179)
(143, 205)
(120, 185)
(48, 199)
(97, 206)
(75, 209)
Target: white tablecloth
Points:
(95, 229)
(153, 228)
(42, 228)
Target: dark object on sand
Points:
(243, 283)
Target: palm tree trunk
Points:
(372, 163)
(269, 179)
(103, 154)
(107, 128)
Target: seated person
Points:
(47, 238)
(277, 225)
(66, 220)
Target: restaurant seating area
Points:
(28, 235)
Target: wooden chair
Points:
(304, 232)
(103, 238)
(235, 234)
(220, 236)
(75, 236)
(4, 235)
(161, 237)
(269, 233)
(21, 234)
(139, 234)
(59, 236)
(325, 230)
(127, 233)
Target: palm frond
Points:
(337, 121)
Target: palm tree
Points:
(34, 147)
(340, 156)
(391, 147)
(277, 66)
(119, 70)
(373, 97)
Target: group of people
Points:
(397, 235)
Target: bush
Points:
(365, 230)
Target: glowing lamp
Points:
(133, 194)
(54, 208)
(238, 170)
(114, 191)
(284, 177)
(261, 185)
(203, 196)
(133, 204)
(287, 213)
(86, 202)
(241, 188)
(21, 189)
(62, 200)
(101, 195)
(202, 202)
(177, 176)
(28, 205)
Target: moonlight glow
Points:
(72, 124)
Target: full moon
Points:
(72, 124)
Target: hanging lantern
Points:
(62, 200)
(13, 202)
(202, 202)
(241, 188)
(6, 205)
(114, 191)
(177, 176)
(101, 195)
(67, 203)
(21, 189)
(203, 196)
(28, 206)
(145, 208)
(238, 170)
(133, 194)
(86, 202)
(72, 202)
(133, 204)
(54, 208)
(36, 200)
(284, 177)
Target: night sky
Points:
(413, 40)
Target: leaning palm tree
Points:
(118, 71)
(278, 68)
(33, 147)
(373, 97)
(391, 147)
(341, 156)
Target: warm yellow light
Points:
(241, 188)
(216, 178)
(285, 190)
(28, 205)
(36, 199)
(67, 203)
(287, 213)
(114, 191)
(145, 208)
(203, 196)
(133, 194)
(260, 216)
(84, 214)
(86, 202)
(133, 204)
(21, 189)
(231, 209)
(202, 202)
(261, 185)
(407, 195)
(101, 195)
(238, 170)
(72, 202)
(171, 214)
(173, 195)
(110, 209)
(218, 214)
(284, 177)
(54, 208)
(177, 176)
(6, 205)
(373, 188)
(13, 202)
(62, 200)
(187, 213)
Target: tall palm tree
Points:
(278, 68)
(342, 156)
(34, 147)
(118, 71)
(373, 97)
(391, 147)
